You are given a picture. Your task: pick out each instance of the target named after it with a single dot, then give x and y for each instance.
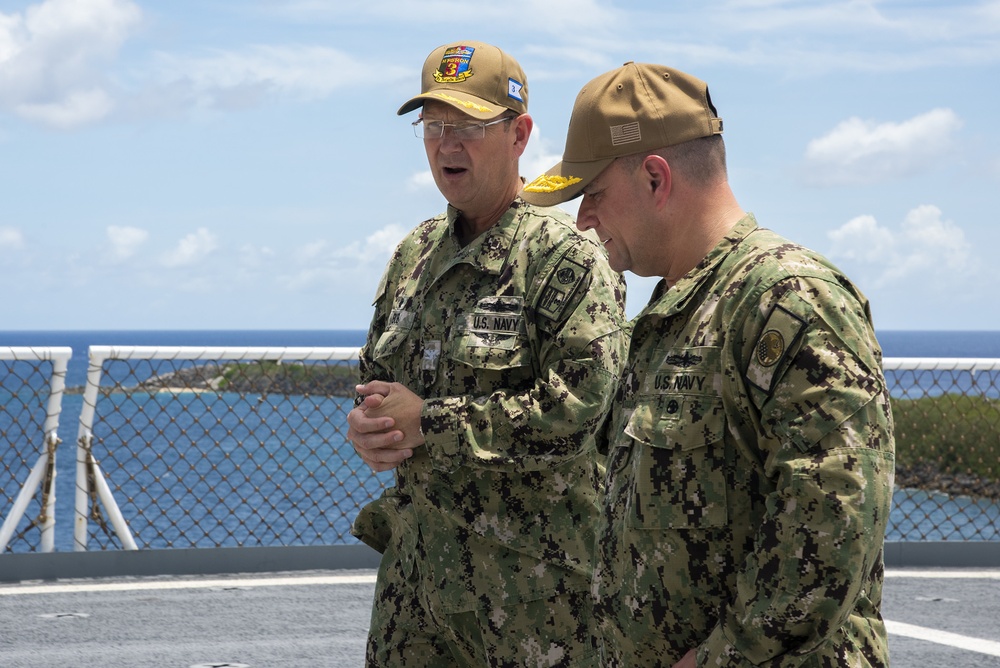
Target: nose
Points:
(585, 218)
(449, 143)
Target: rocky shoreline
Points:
(928, 478)
(286, 379)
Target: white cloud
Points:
(125, 241)
(241, 79)
(320, 264)
(539, 156)
(191, 249)
(11, 238)
(52, 58)
(420, 181)
(554, 16)
(381, 243)
(865, 152)
(862, 240)
(925, 247)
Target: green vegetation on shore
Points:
(285, 378)
(949, 440)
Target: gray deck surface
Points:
(320, 618)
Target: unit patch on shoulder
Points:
(559, 287)
(773, 347)
(456, 65)
(770, 347)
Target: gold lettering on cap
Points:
(549, 184)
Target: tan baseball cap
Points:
(637, 107)
(476, 78)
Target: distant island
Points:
(255, 377)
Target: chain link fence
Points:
(219, 448)
(223, 447)
(31, 390)
(947, 426)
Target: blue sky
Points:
(238, 164)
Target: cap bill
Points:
(563, 182)
(471, 105)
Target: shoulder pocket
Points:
(397, 330)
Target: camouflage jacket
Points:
(515, 342)
(750, 468)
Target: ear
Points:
(658, 178)
(522, 132)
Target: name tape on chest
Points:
(493, 323)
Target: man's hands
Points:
(385, 428)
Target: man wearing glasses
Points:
(496, 343)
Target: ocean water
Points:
(937, 517)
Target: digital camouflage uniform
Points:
(515, 342)
(750, 469)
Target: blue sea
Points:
(946, 518)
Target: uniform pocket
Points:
(495, 362)
(680, 465)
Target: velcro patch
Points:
(777, 338)
(400, 319)
(561, 285)
(493, 323)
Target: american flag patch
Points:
(625, 134)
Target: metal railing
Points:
(29, 375)
(191, 447)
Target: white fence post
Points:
(43, 474)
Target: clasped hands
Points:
(385, 427)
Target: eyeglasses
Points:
(463, 130)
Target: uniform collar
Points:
(489, 251)
(666, 301)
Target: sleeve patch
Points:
(560, 286)
(777, 340)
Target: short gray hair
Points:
(702, 160)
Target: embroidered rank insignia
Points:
(456, 65)
(780, 332)
(551, 184)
